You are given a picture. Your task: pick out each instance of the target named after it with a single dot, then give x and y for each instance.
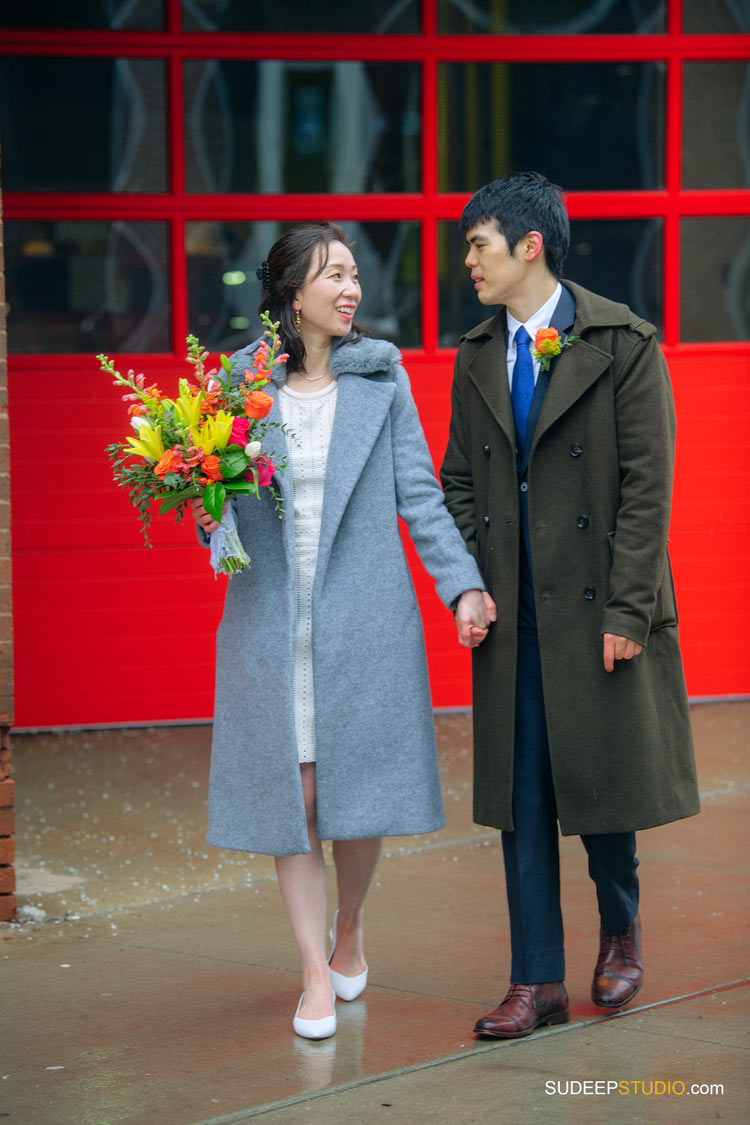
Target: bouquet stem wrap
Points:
(228, 556)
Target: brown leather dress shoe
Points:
(526, 1007)
(619, 971)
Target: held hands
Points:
(475, 613)
(619, 648)
(202, 518)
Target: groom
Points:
(558, 472)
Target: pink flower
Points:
(265, 469)
(240, 430)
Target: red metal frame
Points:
(428, 206)
(717, 662)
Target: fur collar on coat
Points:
(365, 356)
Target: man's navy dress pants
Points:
(532, 869)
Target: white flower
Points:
(252, 449)
(138, 421)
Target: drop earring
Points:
(297, 319)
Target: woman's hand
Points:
(201, 516)
(475, 613)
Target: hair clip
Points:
(263, 274)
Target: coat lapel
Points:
(562, 319)
(575, 370)
(489, 372)
(361, 408)
(572, 372)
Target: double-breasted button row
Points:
(589, 593)
(576, 450)
(582, 521)
(486, 450)
(486, 521)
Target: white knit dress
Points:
(309, 415)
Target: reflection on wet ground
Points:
(155, 978)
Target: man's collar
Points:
(591, 310)
(539, 319)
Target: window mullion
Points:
(672, 183)
(177, 251)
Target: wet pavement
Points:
(155, 979)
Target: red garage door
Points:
(150, 158)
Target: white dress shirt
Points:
(540, 319)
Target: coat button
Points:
(576, 450)
(486, 520)
(582, 521)
(486, 450)
(524, 486)
(589, 593)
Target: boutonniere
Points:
(548, 344)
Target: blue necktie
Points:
(522, 390)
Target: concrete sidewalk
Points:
(160, 985)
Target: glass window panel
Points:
(72, 124)
(367, 16)
(87, 287)
(144, 15)
(587, 126)
(302, 126)
(550, 17)
(223, 291)
(715, 17)
(715, 289)
(716, 125)
(621, 259)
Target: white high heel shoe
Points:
(315, 1029)
(346, 988)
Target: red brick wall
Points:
(7, 786)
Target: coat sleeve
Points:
(456, 472)
(645, 420)
(421, 503)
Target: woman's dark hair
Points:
(519, 203)
(285, 271)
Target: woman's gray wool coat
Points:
(375, 744)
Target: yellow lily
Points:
(148, 443)
(188, 408)
(215, 432)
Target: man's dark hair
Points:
(519, 203)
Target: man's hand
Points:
(619, 648)
(202, 518)
(475, 613)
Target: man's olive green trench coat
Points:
(599, 493)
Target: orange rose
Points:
(258, 404)
(546, 341)
(210, 466)
(171, 461)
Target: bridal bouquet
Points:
(206, 442)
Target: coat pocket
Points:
(665, 607)
(665, 610)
